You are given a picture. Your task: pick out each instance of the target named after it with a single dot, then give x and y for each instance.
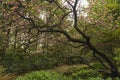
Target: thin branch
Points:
(100, 61)
(76, 20)
(71, 44)
(59, 6)
(69, 3)
(65, 34)
(30, 20)
(98, 70)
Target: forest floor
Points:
(7, 77)
(66, 69)
(4, 76)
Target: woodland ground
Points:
(66, 69)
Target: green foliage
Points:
(22, 63)
(114, 8)
(43, 75)
(112, 37)
(97, 65)
(89, 74)
(117, 56)
(50, 75)
(97, 78)
(112, 5)
(84, 74)
(37, 13)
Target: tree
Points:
(57, 17)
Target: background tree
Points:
(28, 21)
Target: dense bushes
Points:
(43, 75)
(87, 73)
(49, 75)
(22, 63)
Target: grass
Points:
(65, 69)
(69, 69)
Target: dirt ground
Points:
(4, 76)
(7, 77)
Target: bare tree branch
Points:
(64, 33)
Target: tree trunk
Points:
(113, 67)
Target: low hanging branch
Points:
(86, 42)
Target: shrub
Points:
(85, 74)
(22, 63)
(97, 65)
(89, 74)
(97, 78)
(43, 75)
